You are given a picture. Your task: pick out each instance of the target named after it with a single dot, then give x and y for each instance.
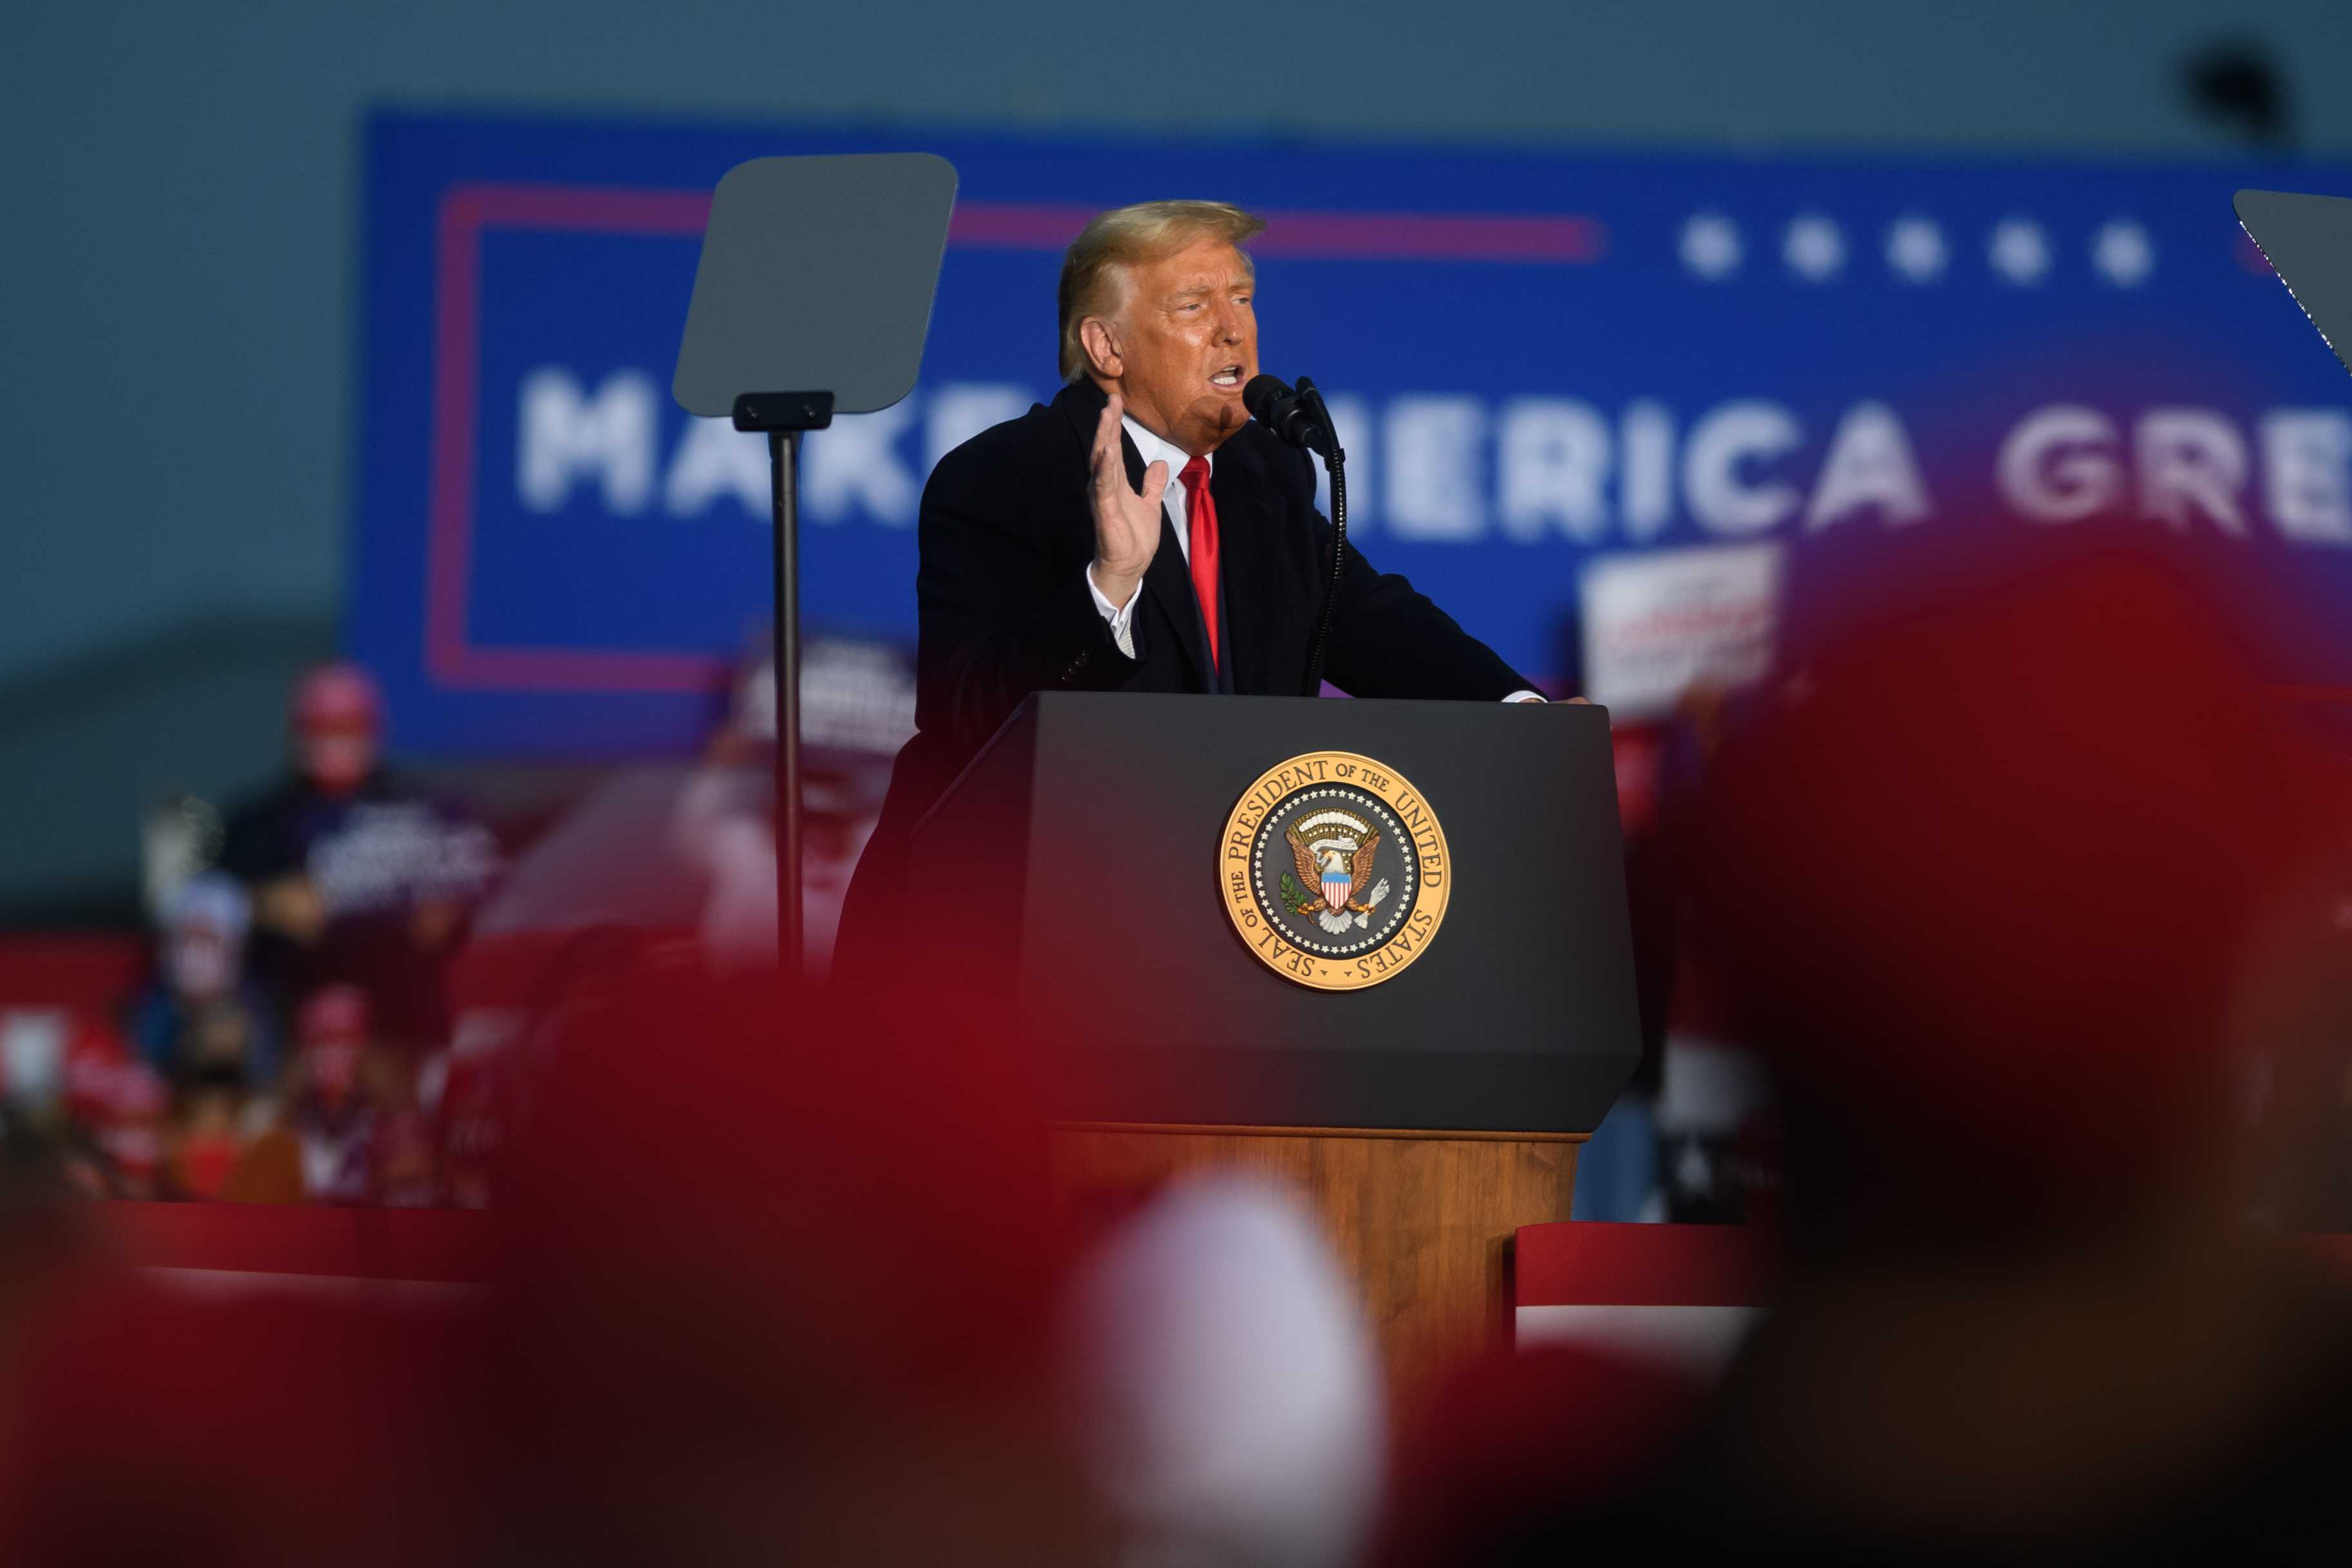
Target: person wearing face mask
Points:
(1139, 533)
(201, 982)
(356, 873)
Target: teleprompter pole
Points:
(814, 272)
(783, 415)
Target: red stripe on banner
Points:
(1432, 237)
(450, 530)
(438, 1246)
(1552, 238)
(585, 670)
(1591, 1263)
(601, 209)
(1015, 226)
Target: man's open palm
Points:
(1127, 524)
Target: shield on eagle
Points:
(1333, 851)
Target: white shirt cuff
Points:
(1521, 696)
(1120, 618)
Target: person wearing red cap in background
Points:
(324, 1149)
(357, 874)
(114, 1106)
(333, 1113)
(133, 1137)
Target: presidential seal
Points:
(1334, 870)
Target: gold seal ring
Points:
(1334, 870)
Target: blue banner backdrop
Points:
(1548, 369)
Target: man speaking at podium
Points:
(1139, 533)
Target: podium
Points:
(1376, 949)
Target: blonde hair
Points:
(1128, 236)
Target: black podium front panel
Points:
(1078, 864)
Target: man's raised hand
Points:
(1127, 525)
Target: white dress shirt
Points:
(1179, 504)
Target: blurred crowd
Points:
(345, 968)
(2032, 896)
(291, 1042)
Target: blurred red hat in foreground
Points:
(1984, 869)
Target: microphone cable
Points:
(1335, 463)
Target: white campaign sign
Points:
(1658, 623)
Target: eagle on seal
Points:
(1340, 866)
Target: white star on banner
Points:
(1711, 248)
(2123, 253)
(1915, 249)
(2018, 250)
(1813, 247)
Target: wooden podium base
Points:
(1423, 1221)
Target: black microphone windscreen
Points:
(1265, 396)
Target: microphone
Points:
(1300, 417)
(1290, 414)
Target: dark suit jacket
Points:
(1007, 533)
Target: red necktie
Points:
(1200, 523)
